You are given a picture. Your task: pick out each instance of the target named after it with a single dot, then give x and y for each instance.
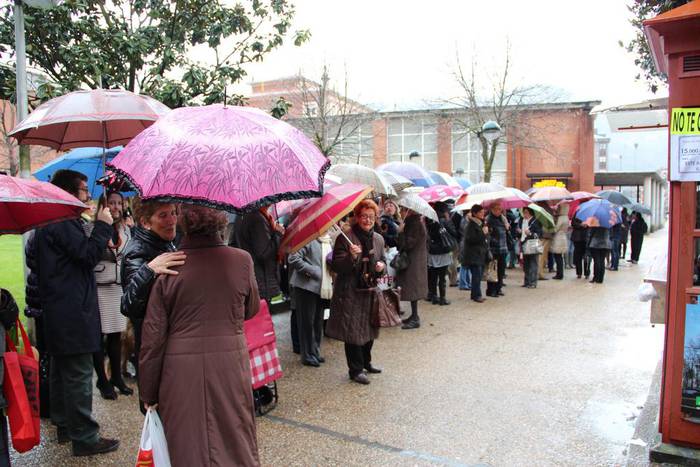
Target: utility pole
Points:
(21, 86)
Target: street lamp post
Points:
(21, 73)
(491, 131)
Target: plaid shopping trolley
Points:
(265, 367)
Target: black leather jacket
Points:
(137, 277)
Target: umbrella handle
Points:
(346, 237)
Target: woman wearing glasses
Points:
(358, 262)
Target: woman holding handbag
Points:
(530, 234)
(475, 251)
(413, 245)
(109, 295)
(358, 261)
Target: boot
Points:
(444, 301)
(106, 390)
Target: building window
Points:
(406, 135)
(355, 147)
(466, 157)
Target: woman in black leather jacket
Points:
(150, 252)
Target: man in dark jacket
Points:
(66, 258)
(498, 243)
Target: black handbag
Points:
(401, 261)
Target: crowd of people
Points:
(163, 288)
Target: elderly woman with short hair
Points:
(358, 260)
(194, 358)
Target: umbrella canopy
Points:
(550, 193)
(95, 118)
(286, 210)
(442, 178)
(578, 197)
(319, 215)
(415, 203)
(355, 173)
(640, 208)
(463, 182)
(483, 193)
(440, 193)
(87, 161)
(615, 197)
(27, 204)
(233, 158)
(414, 172)
(599, 213)
(542, 215)
(397, 181)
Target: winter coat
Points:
(435, 240)
(616, 232)
(31, 290)
(194, 358)
(137, 278)
(579, 231)
(66, 258)
(389, 229)
(560, 243)
(599, 238)
(535, 229)
(255, 235)
(475, 249)
(414, 240)
(638, 226)
(351, 307)
(498, 233)
(457, 219)
(306, 266)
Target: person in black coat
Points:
(150, 252)
(389, 223)
(530, 229)
(638, 228)
(579, 237)
(65, 259)
(475, 250)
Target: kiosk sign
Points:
(685, 145)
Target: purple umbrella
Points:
(414, 172)
(233, 158)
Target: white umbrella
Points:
(483, 193)
(443, 178)
(399, 182)
(354, 173)
(417, 204)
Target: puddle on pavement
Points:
(613, 422)
(640, 348)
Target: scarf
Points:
(366, 239)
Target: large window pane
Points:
(411, 126)
(499, 161)
(460, 142)
(460, 161)
(430, 161)
(430, 143)
(395, 126)
(395, 144)
(429, 126)
(412, 143)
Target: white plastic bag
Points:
(646, 292)
(153, 449)
(387, 281)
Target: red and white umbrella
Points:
(487, 193)
(550, 193)
(321, 214)
(437, 193)
(27, 204)
(97, 118)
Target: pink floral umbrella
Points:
(97, 118)
(437, 193)
(233, 158)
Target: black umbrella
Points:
(615, 197)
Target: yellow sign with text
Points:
(685, 121)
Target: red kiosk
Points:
(674, 38)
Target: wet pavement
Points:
(552, 376)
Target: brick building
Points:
(558, 142)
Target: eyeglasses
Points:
(365, 217)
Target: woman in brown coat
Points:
(194, 363)
(413, 238)
(358, 265)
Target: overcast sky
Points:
(400, 54)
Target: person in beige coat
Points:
(560, 243)
(194, 366)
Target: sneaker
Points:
(102, 446)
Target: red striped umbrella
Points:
(27, 204)
(321, 214)
(440, 193)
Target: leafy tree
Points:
(642, 10)
(180, 52)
